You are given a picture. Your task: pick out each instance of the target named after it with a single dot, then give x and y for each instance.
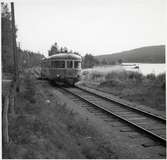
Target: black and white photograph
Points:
(83, 79)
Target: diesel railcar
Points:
(62, 67)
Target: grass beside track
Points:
(133, 86)
(43, 128)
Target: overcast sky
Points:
(90, 26)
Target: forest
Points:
(26, 58)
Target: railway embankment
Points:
(44, 127)
(131, 86)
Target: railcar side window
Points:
(58, 64)
(69, 64)
(77, 64)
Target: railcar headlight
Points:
(57, 75)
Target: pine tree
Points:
(54, 49)
(7, 45)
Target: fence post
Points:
(12, 104)
(5, 120)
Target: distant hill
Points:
(150, 54)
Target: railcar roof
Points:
(65, 56)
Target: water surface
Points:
(144, 68)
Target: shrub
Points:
(151, 76)
(135, 76)
(113, 83)
(110, 76)
(30, 89)
(116, 75)
(161, 77)
(161, 80)
(96, 75)
(163, 86)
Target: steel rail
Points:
(152, 135)
(123, 104)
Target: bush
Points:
(116, 75)
(113, 83)
(161, 77)
(96, 75)
(161, 80)
(30, 89)
(151, 76)
(136, 76)
(125, 75)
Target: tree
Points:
(61, 50)
(54, 50)
(65, 50)
(29, 59)
(104, 62)
(7, 45)
(120, 61)
(89, 61)
(26, 58)
(112, 62)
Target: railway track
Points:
(146, 123)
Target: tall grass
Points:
(148, 90)
(122, 77)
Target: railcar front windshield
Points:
(58, 64)
(77, 64)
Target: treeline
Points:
(148, 54)
(28, 59)
(55, 49)
(90, 61)
(25, 58)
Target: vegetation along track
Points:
(146, 123)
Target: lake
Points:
(144, 68)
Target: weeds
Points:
(116, 75)
(51, 130)
(136, 76)
(29, 93)
(125, 77)
(133, 86)
(151, 77)
(96, 75)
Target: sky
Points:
(90, 26)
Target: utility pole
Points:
(16, 74)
